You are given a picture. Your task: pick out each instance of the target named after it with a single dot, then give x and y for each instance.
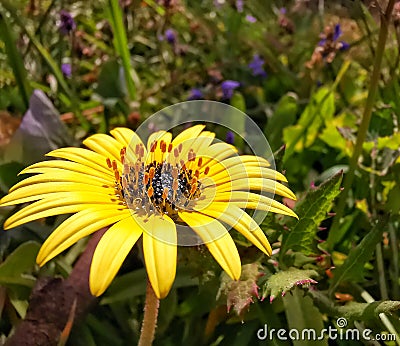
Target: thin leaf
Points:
(15, 60)
(353, 267)
(121, 44)
(302, 315)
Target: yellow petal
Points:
(63, 176)
(241, 221)
(217, 152)
(217, 240)
(104, 145)
(76, 227)
(38, 191)
(250, 200)
(45, 166)
(128, 139)
(111, 252)
(190, 133)
(84, 156)
(160, 253)
(243, 172)
(157, 137)
(260, 184)
(126, 136)
(61, 203)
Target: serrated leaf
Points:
(240, 293)
(281, 282)
(311, 211)
(353, 267)
(19, 262)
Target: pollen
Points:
(165, 183)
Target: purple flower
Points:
(66, 69)
(239, 5)
(67, 23)
(282, 10)
(195, 94)
(337, 33)
(230, 137)
(170, 36)
(250, 18)
(344, 45)
(256, 66)
(228, 87)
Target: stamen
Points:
(206, 170)
(150, 191)
(151, 173)
(108, 162)
(200, 161)
(145, 179)
(169, 147)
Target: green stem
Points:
(149, 323)
(363, 129)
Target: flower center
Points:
(165, 183)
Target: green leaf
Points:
(121, 44)
(353, 267)
(284, 116)
(284, 281)
(109, 82)
(9, 174)
(353, 310)
(311, 211)
(302, 135)
(303, 316)
(15, 59)
(134, 284)
(19, 262)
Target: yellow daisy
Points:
(146, 191)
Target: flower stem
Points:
(150, 317)
(363, 129)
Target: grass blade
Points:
(121, 45)
(15, 60)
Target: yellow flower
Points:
(148, 192)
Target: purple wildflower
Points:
(239, 5)
(230, 137)
(282, 10)
(66, 69)
(250, 18)
(256, 66)
(228, 87)
(195, 94)
(337, 32)
(67, 23)
(170, 36)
